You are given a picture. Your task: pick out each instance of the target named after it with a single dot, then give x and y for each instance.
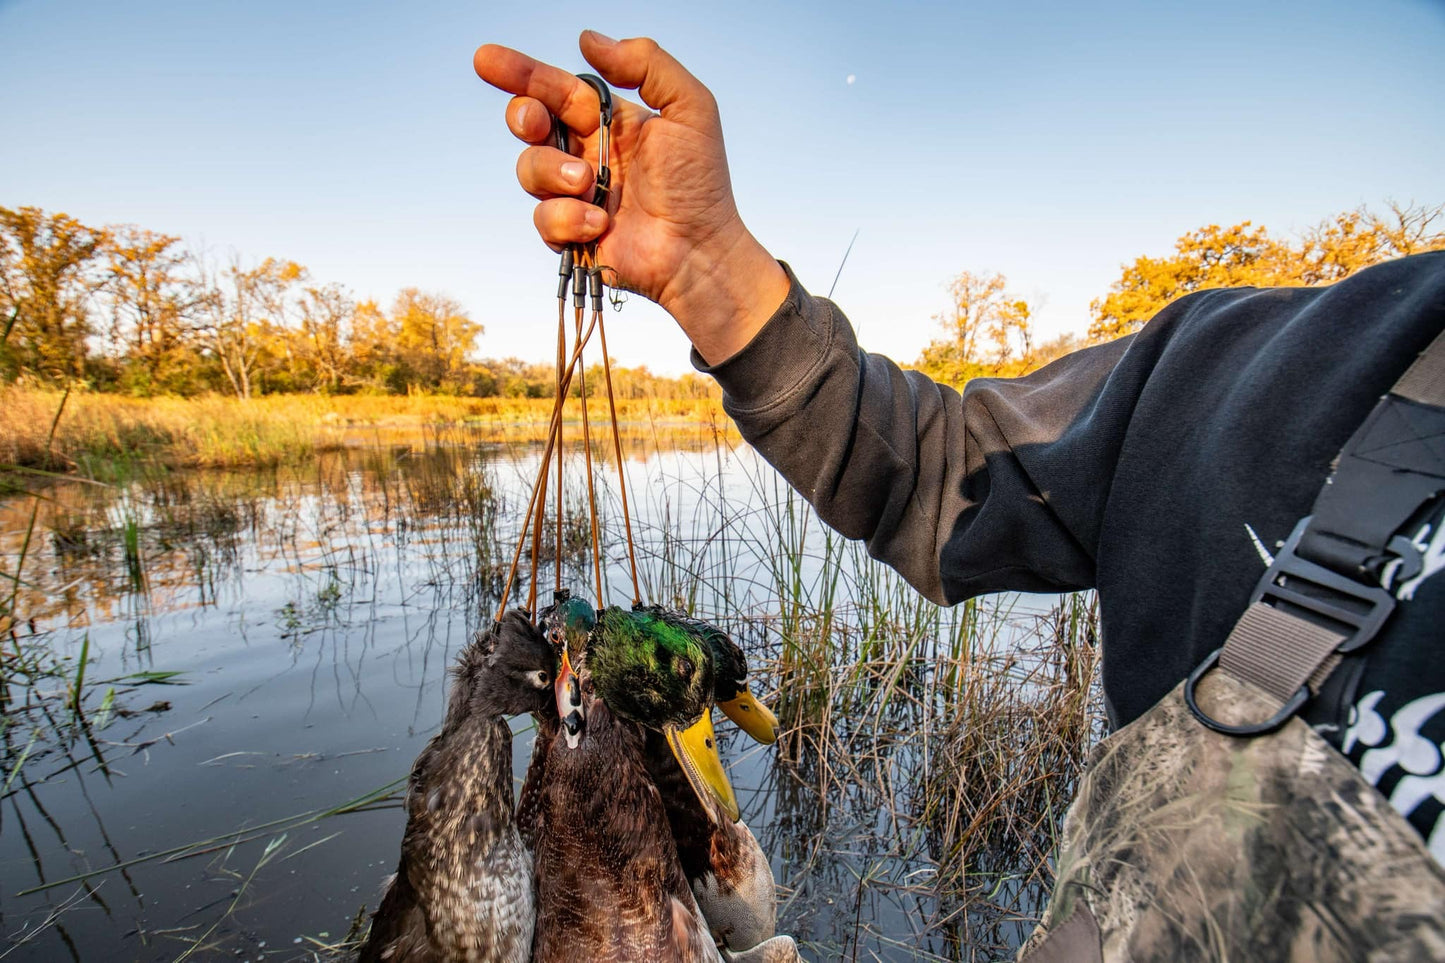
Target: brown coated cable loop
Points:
(587, 453)
(617, 446)
(536, 523)
(538, 486)
(561, 405)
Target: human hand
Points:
(672, 231)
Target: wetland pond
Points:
(216, 682)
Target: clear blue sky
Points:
(1050, 141)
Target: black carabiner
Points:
(604, 137)
(580, 260)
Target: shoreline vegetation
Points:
(120, 346)
(91, 434)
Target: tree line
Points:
(129, 310)
(125, 309)
(987, 329)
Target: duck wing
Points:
(690, 935)
(398, 930)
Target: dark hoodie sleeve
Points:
(999, 488)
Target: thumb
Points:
(662, 82)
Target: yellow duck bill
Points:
(752, 717)
(696, 750)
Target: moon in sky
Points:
(851, 78)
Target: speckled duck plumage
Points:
(463, 890)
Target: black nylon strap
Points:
(1391, 466)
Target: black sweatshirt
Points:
(1164, 469)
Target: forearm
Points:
(962, 494)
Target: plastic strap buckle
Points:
(1335, 601)
(1312, 593)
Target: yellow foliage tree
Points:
(434, 337)
(1246, 256)
(47, 277)
(986, 332)
(155, 303)
(326, 313)
(246, 318)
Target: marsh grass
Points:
(927, 754)
(930, 751)
(109, 436)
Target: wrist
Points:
(726, 296)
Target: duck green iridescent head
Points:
(658, 671)
(648, 669)
(730, 685)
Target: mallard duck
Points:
(653, 666)
(463, 889)
(609, 884)
(727, 869)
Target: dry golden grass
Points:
(96, 430)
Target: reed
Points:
(931, 750)
(927, 755)
(102, 433)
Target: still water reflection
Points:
(261, 648)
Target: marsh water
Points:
(264, 652)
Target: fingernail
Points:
(522, 116)
(601, 39)
(574, 171)
(595, 218)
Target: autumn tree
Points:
(1244, 256)
(156, 304)
(371, 349)
(48, 274)
(245, 318)
(986, 331)
(1210, 257)
(326, 313)
(1341, 245)
(434, 337)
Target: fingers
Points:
(663, 83)
(545, 172)
(529, 120)
(567, 220)
(557, 90)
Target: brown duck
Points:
(463, 890)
